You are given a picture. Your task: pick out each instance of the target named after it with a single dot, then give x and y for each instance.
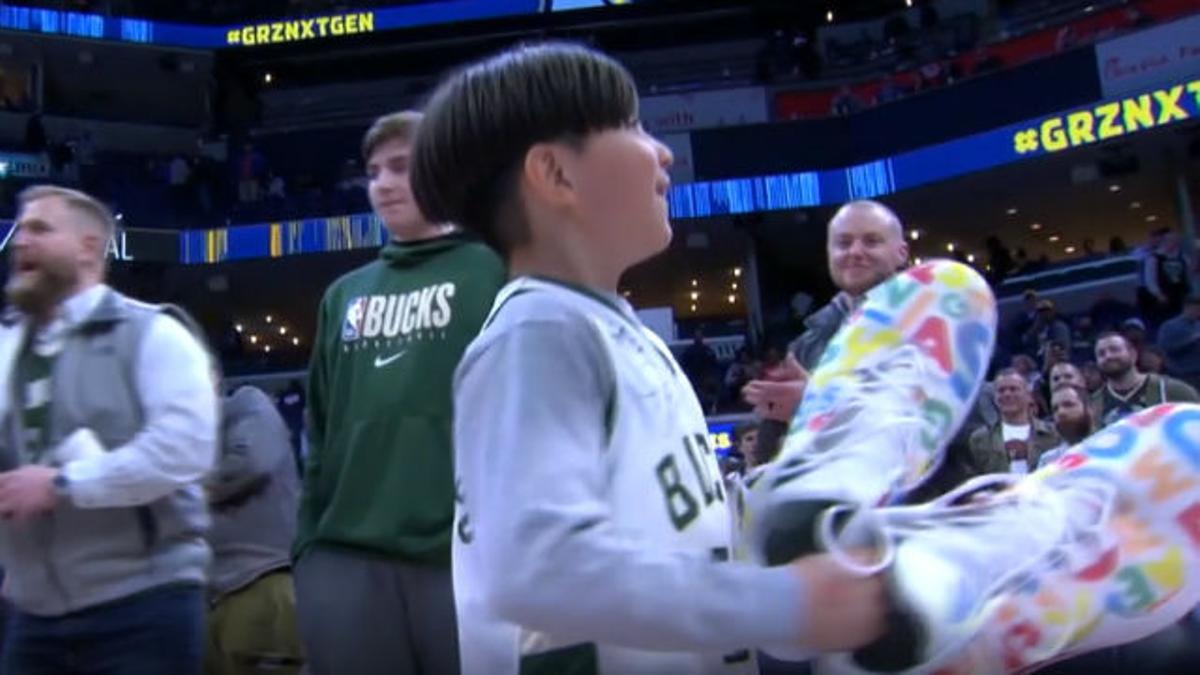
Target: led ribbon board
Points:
(1137, 113)
(283, 31)
(1106, 120)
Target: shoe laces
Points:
(878, 407)
(1049, 524)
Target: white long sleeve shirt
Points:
(592, 525)
(177, 444)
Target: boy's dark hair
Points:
(481, 122)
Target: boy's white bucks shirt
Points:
(592, 529)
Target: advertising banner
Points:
(1149, 58)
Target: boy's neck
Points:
(562, 265)
(421, 232)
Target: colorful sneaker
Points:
(888, 395)
(1098, 549)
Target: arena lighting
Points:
(1069, 250)
(695, 283)
(283, 330)
(253, 339)
(1151, 218)
(737, 271)
(914, 234)
(1053, 238)
(950, 247)
(267, 348)
(829, 16)
(693, 308)
(695, 296)
(239, 328)
(732, 299)
(267, 78)
(733, 286)
(268, 318)
(296, 341)
(917, 260)
(1012, 211)
(1035, 226)
(1135, 205)
(908, 3)
(971, 257)
(1114, 188)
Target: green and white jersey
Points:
(592, 530)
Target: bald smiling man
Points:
(865, 246)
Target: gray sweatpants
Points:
(364, 615)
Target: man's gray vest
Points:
(74, 558)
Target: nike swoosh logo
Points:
(381, 362)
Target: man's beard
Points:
(1116, 370)
(1074, 430)
(36, 292)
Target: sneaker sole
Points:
(943, 307)
(1145, 579)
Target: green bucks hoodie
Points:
(389, 336)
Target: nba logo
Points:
(352, 326)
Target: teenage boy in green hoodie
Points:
(372, 575)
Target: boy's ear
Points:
(546, 173)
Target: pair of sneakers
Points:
(1005, 573)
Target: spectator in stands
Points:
(1000, 262)
(1047, 328)
(1108, 313)
(1073, 419)
(1126, 389)
(1021, 260)
(276, 188)
(179, 177)
(291, 402)
(1083, 337)
(1019, 439)
(745, 437)
(986, 61)
(865, 245)
(743, 369)
(1056, 352)
(1024, 320)
(1066, 38)
(1179, 339)
(1157, 267)
(36, 140)
(1151, 359)
(253, 496)
(1066, 373)
(1134, 330)
(1168, 279)
(1092, 377)
(846, 102)
(251, 168)
(1027, 367)
(699, 362)
(1136, 18)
